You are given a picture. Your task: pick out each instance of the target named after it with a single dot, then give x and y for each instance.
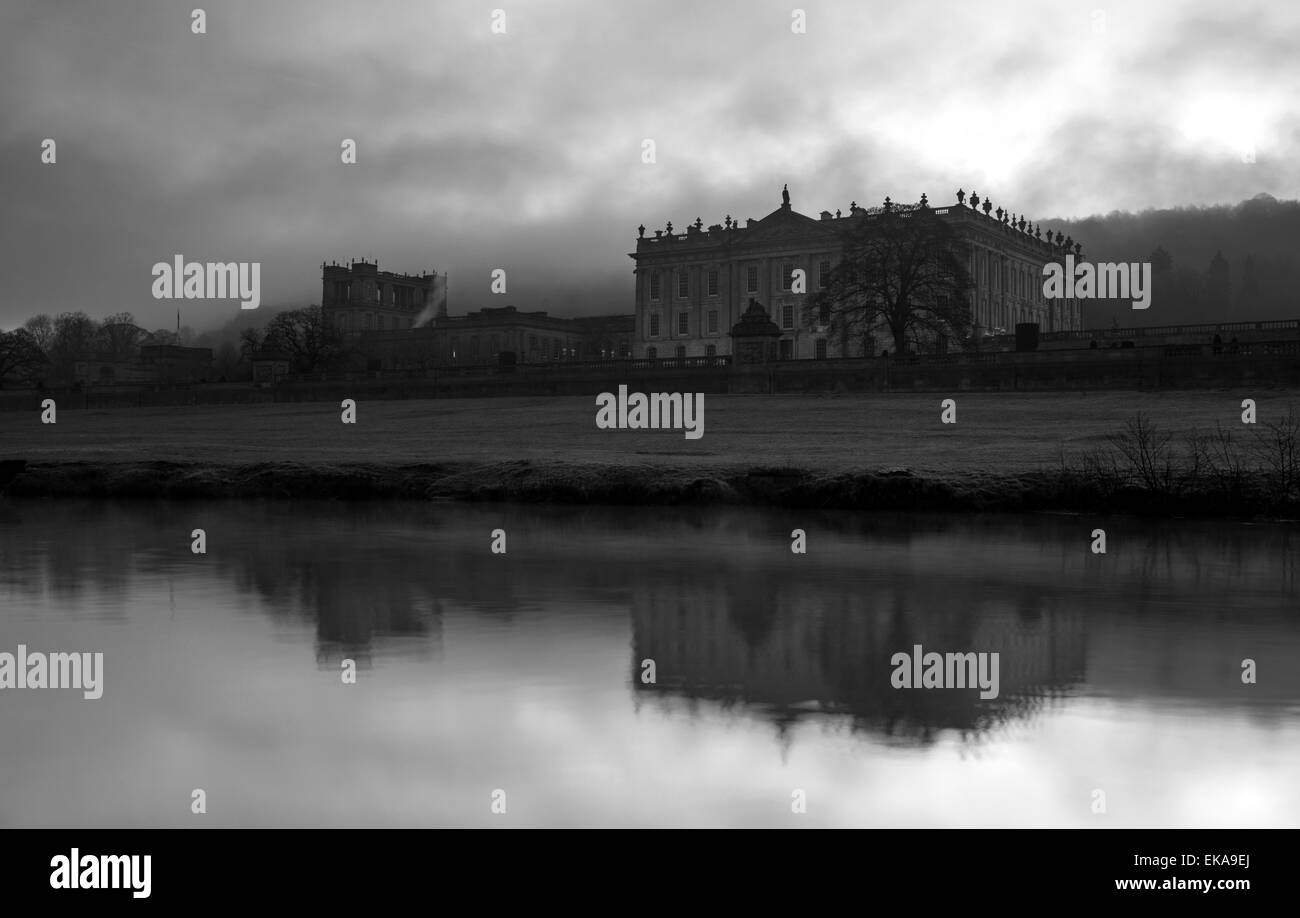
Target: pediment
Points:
(785, 225)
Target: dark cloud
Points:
(523, 150)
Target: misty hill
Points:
(1228, 263)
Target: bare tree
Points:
(74, 339)
(119, 335)
(304, 335)
(41, 328)
(250, 342)
(21, 359)
(903, 269)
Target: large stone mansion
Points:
(693, 287)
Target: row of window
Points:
(786, 351)
(751, 280)
(346, 321)
(1017, 279)
(711, 320)
(406, 297)
(547, 347)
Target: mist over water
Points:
(521, 672)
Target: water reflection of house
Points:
(788, 650)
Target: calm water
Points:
(521, 672)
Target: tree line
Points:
(45, 350)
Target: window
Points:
(681, 350)
(495, 344)
(713, 321)
(622, 348)
(652, 352)
(532, 344)
(787, 316)
(455, 346)
(713, 282)
(684, 323)
(823, 274)
(821, 349)
(473, 347)
(654, 325)
(711, 350)
(654, 285)
(787, 348)
(824, 314)
(370, 322)
(787, 277)
(683, 285)
(751, 278)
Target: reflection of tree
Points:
(731, 617)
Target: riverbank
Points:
(1007, 452)
(532, 482)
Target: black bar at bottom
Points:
(334, 868)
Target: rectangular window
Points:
(683, 285)
(681, 350)
(713, 321)
(652, 352)
(821, 348)
(684, 323)
(823, 274)
(824, 314)
(654, 325)
(787, 277)
(711, 350)
(751, 277)
(787, 316)
(713, 283)
(654, 285)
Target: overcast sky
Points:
(523, 150)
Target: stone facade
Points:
(693, 287)
(359, 298)
(479, 338)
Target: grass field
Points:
(994, 431)
(1004, 452)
